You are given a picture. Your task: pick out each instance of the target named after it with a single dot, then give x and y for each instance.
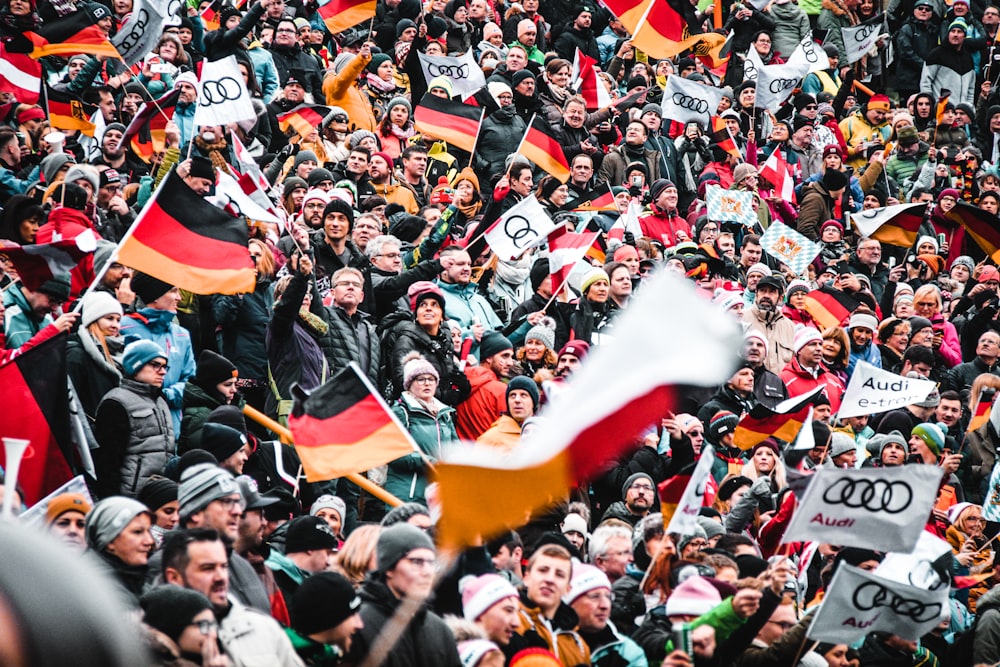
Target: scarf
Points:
(93, 349)
(378, 84)
(402, 133)
(19, 23)
(213, 150)
(514, 273)
(559, 94)
(469, 210)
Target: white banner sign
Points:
(222, 94)
(522, 226)
(859, 602)
(810, 55)
(922, 566)
(685, 517)
(859, 39)
(687, 101)
(872, 508)
(139, 35)
(775, 83)
(466, 76)
(872, 390)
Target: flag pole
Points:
(472, 153)
(555, 295)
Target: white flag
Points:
(859, 39)
(752, 65)
(466, 76)
(229, 196)
(140, 33)
(92, 145)
(872, 508)
(921, 566)
(872, 390)
(688, 101)
(222, 94)
(775, 83)
(35, 514)
(859, 602)
(805, 439)
(522, 226)
(868, 222)
(685, 517)
(810, 54)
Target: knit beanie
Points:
(863, 321)
(109, 518)
(96, 305)
(493, 342)
(633, 478)
(403, 513)
(804, 336)
(302, 156)
(932, 435)
(139, 353)
(742, 171)
(482, 592)
(200, 485)
(376, 62)
(327, 501)
(732, 485)
(695, 533)
(544, 332)
(693, 597)
(415, 365)
(592, 276)
(170, 608)
(337, 205)
(213, 369)
(221, 441)
(308, 533)
(148, 288)
(723, 423)
(759, 267)
(66, 502)
(398, 101)
(398, 540)
(834, 179)
(58, 286)
(586, 578)
(157, 492)
(323, 601)
(424, 289)
(84, 172)
(526, 384)
(472, 651)
(840, 443)
(711, 527)
(291, 184)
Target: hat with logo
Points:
(307, 533)
(482, 592)
(804, 336)
(221, 441)
(577, 348)
(201, 484)
(586, 578)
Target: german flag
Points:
(67, 112)
(211, 17)
(147, 133)
(339, 15)
(981, 415)
(303, 119)
(896, 225)
(829, 306)
(982, 226)
(598, 250)
(344, 426)
(595, 201)
(182, 239)
(671, 491)
(721, 136)
(541, 147)
(662, 28)
(715, 54)
(939, 112)
(75, 33)
(452, 122)
(783, 422)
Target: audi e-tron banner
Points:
(141, 31)
(222, 94)
(872, 508)
(687, 101)
(873, 390)
(859, 602)
(859, 39)
(466, 76)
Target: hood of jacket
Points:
(479, 376)
(157, 321)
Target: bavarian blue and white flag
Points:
(730, 206)
(787, 245)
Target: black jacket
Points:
(407, 337)
(345, 339)
(327, 263)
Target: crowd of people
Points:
(222, 554)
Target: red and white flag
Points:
(586, 82)
(627, 222)
(253, 183)
(565, 250)
(38, 263)
(775, 170)
(20, 75)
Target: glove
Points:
(629, 238)
(287, 152)
(761, 488)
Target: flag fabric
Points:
(92, 145)
(713, 53)
(775, 170)
(185, 241)
(775, 83)
(941, 106)
(585, 81)
(859, 39)
(662, 28)
(594, 201)
(884, 509)
(684, 515)
(726, 205)
(982, 226)
(72, 34)
(20, 75)
(210, 16)
(540, 146)
(252, 181)
(68, 112)
(345, 427)
(230, 197)
(787, 245)
(805, 440)
(523, 225)
(897, 225)
(454, 123)
(33, 391)
(464, 73)
(597, 416)
(222, 94)
(859, 602)
(927, 565)
(303, 119)
(140, 33)
(627, 222)
(830, 306)
(38, 263)
(782, 422)
(686, 101)
(146, 134)
(565, 250)
(722, 137)
(872, 390)
(339, 15)
(810, 54)
(985, 404)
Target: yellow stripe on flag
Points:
(383, 445)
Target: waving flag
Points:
(222, 94)
(775, 170)
(984, 409)
(303, 119)
(38, 263)
(72, 34)
(783, 421)
(830, 306)
(464, 73)
(982, 226)
(523, 225)
(683, 516)
(662, 28)
(452, 122)
(860, 39)
(339, 15)
(146, 134)
(541, 147)
(686, 101)
(594, 201)
(229, 196)
(20, 75)
(872, 390)
(787, 245)
(565, 250)
(584, 80)
(67, 112)
(723, 138)
(896, 225)
(810, 54)
(140, 33)
(627, 222)
(252, 181)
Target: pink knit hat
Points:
(694, 597)
(482, 592)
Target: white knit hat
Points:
(759, 267)
(482, 592)
(863, 321)
(586, 578)
(96, 305)
(804, 336)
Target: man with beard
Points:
(385, 184)
(250, 540)
(313, 205)
(765, 316)
(196, 559)
(639, 492)
(10, 164)
(115, 155)
(114, 214)
(768, 388)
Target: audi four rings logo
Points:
(863, 32)
(132, 39)
(872, 595)
(873, 495)
(453, 71)
(691, 103)
(779, 85)
(809, 51)
(519, 230)
(226, 89)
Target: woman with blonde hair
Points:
(765, 461)
(94, 352)
(927, 303)
(357, 557)
(965, 535)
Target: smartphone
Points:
(637, 181)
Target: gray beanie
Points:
(201, 484)
(966, 261)
(632, 479)
(544, 331)
(108, 519)
(695, 533)
(841, 443)
(356, 137)
(84, 171)
(403, 513)
(51, 164)
(398, 540)
(711, 527)
(302, 156)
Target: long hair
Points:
(355, 556)
(984, 381)
(265, 265)
(839, 335)
(95, 331)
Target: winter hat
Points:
(96, 305)
(908, 136)
(932, 435)
(526, 384)
(769, 443)
(221, 441)
(379, 58)
(186, 77)
(966, 261)
(799, 122)
(228, 12)
(574, 523)
(482, 592)
(521, 76)
(693, 597)
(424, 289)
(317, 176)
(797, 286)
(635, 477)
(83, 172)
(863, 321)
(66, 502)
(493, 342)
(403, 513)
(472, 651)
(586, 578)
(51, 165)
(834, 179)
(575, 347)
(291, 184)
(322, 602)
(760, 268)
(157, 492)
(327, 501)
(756, 334)
(927, 239)
(732, 485)
(592, 276)
(544, 332)
(148, 288)
(398, 540)
(959, 24)
(337, 205)
(726, 300)
(316, 193)
(415, 365)
(442, 82)
(213, 369)
(57, 287)
(804, 336)
(498, 88)
(832, 223)
(170, 608)
(742, 171)
(490, 28)
(360, 135)
(956, 510)
(109, 518)
(307, 533)
(302, 156)
(139, 353)
(398, 101)
(841, 443)
(200, 485)
(723, 423)
(711, 527)
(696, 532)
(657, 188)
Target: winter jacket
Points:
(869, 353)
(406, 337)
(135, 432)
(502, 129)
(903, 168)
(390, 288)
(833, 17)
(613, 165)
(726, 399)
(291, 58)
(351, 338)
(465, 305)
(791, 25)
(780, 334)
(251, 637)
(914, 43)
(264, 69)
(486, 402)
(20, 323)
(986, 648)
(961, 377)
(557, 635)
(504, 435)
(948, 68)
(610, 648)
(327, 262)
(981, 445)
(857, 130)
(243, 319)
(572, 39)
(425, 642)
(92, 375)
(407, 478)
(816, 207)
(341, 89)
(198, 405)
(224, 42)
(801, 381)
(663, 226)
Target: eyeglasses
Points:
(784, 625)
(597, 596)
(700, 544)
(231, 502)
(348, 283)
(159, 366)
(391, 255)
(641, 487)
(205, 627)
(420, 562)
(426, 379)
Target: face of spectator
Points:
(948, 412)
(593, 609)
(294, 92)
(575, 114)
(460, 272)
(516, 60)
(132, 545)
(861, 336)
(188, 93)
(413, 575)
(207, 572)
(583, 21)
(547, 581)
(500, 621)
(956, 36)
(285, 34)
(69, 528)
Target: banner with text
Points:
(872, 390)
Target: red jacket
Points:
(663, 227)
(800, 381)
(486, 402)
(69, 223)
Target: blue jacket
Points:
(466, 305)
(264, 70)
(611, 648)
(10, 184)
(869, 353)
(20, 323)
(184, 117)
(159, 326)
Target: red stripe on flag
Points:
(176, 242)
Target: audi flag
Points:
(775, 83)
(859, 602)
(896, 225)
(872, 508)
(522, 226)
(859, 39)
(222, 94)
(140, 33)
(686, 101)
(872, 390)
(810, 54)
(465, 75)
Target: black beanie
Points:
(407, 228)
(539, 272)
(148, 288)
(322, 602)
(157, 492)
(213, 369)
(834, 179)
(221, 441)
(170, 608)
(338, 205)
